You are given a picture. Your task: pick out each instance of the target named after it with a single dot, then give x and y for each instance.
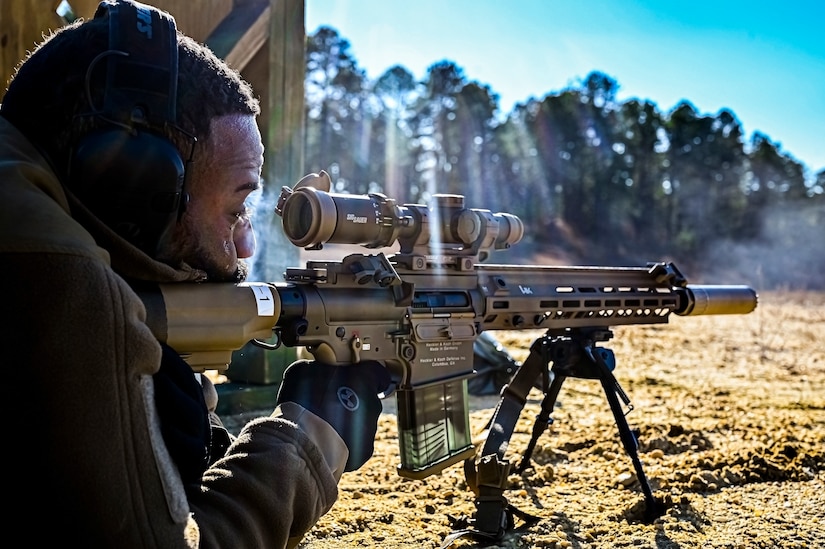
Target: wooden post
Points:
(286, 91)
(267, 38)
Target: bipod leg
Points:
(543, 420)
(613, 392)
(487, 474)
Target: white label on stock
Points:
(263, 297)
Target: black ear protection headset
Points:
(128, 173)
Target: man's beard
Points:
(240, 273)
(201, 260)
(183, 249)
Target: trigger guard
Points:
(269, 346)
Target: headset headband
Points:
(128, 173)
(141, 85)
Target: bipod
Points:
(573, 353)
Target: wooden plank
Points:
(81, 8)
(286, 87)
(283, 118)
(195, 18)
(24, 23)
(242, 33)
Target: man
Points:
(125, 162)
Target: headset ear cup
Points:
(133, 181)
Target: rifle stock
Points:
(418, 311)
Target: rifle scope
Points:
(312, 217)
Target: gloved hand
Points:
(221, 439)
(346, 397)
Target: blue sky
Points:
(765, 61)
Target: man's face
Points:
(215, 232)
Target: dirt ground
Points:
(730, 415)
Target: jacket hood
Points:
(39, 225)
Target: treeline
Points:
(594, 179)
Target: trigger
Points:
(355, 347)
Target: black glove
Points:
(346, 397)
(184, 419)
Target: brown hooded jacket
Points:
(86, 462)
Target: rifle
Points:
(418, 312)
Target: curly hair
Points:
(47, 98)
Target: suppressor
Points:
(700, 299)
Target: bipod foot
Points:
(464, 527)
(647, 511)
(653, 510)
